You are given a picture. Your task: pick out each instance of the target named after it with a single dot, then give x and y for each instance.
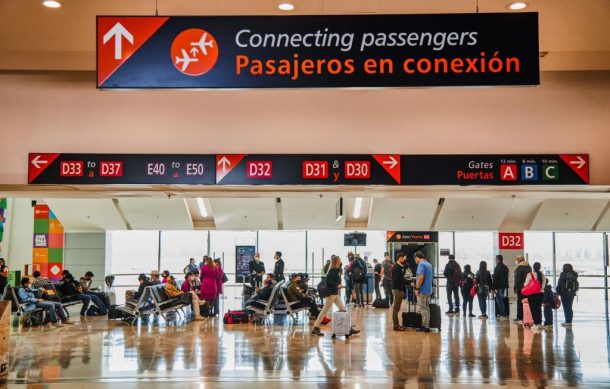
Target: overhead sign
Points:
(411, 236)
(510, 240)
(317, 51)
(314, 169)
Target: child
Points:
(548, 303)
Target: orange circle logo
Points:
(194, 52)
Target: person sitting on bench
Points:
(33, 299)
(263, 295)
(85, 284)
(294, 294)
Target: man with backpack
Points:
(386, 276)
(453, 273)
(358, 276)
(567, 287)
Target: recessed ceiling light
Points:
(518, 5)
(51, 3)
(286, 6)
(357, 207)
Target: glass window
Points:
(132, 252)
(290, 243)
(445, 241)
(473, 247)
(539, 248)
(177, 247)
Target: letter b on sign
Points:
(529, 172)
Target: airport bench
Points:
(292, 312)
(165, 304)
(54, 294)
(268, 305)
(18, 306)
(134, 309)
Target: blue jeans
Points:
(566, 302)
(483, 302)
(86, 299)
(53, 309)
(500, 293)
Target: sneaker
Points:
(449, 312)
(354, 332)
(399, 328)
(423, 329)
(316, 331)
(471, 315)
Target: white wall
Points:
(84, 252)
(20, 227)
(63, 112)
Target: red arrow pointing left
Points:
(37, 163)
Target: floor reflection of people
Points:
(572, 373)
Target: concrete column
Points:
(20, 232)
(509, 244)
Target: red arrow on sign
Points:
(579, 163)
(225, 163)
(37, 163)
(119, 37)
(391, 164)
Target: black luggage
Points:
(435, 316)
(114, 313)
(411, 319)
(381, 303)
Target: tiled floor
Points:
(97, 353)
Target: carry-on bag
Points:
(528, 320)
(381, 303)
(411, 319)
(236, 317)
(342, 323)
(435, 315)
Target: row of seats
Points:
(153, 301)
(54, 294)
(274, 306)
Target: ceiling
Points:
(574, 35)
(460, 210)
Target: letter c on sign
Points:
(237, 38)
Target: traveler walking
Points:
(533, 290)
(521, 271)
(333, 281)
(567, 287)
(466, 284)
(500, 286)
(399, 285)
(453, 274)
(483, 282)
(386, 276)
(423, 289)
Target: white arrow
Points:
(118, 32)
(37, 161)
(224, 161)
(392, 162)
(581, 162)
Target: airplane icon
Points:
(202, 43)
(186, 60)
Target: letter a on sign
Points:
(508, 172)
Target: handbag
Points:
(323, 290)
(473, 291)
(532, 288)
(224, 278)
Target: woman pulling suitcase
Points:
(333, 281)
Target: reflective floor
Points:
(466, 353)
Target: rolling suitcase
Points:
(342, 324)
(381, 303)
(435, 315)
(411, 319)
(528, 320)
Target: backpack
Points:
(571, 283)
(390, 268)
(357, 272)
(457, 273)
(557, 301)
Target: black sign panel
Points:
(317, 51)
(314, 169)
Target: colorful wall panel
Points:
(48, 242)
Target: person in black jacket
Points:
(466, 284)
(278, 269)
(399, 285)
(263, 295)
(500, 285)
(521, 271)
(453, 273)
(567, 287)
(257, 269)
(483, 282)
(333, 281)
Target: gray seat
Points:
(269, 304)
